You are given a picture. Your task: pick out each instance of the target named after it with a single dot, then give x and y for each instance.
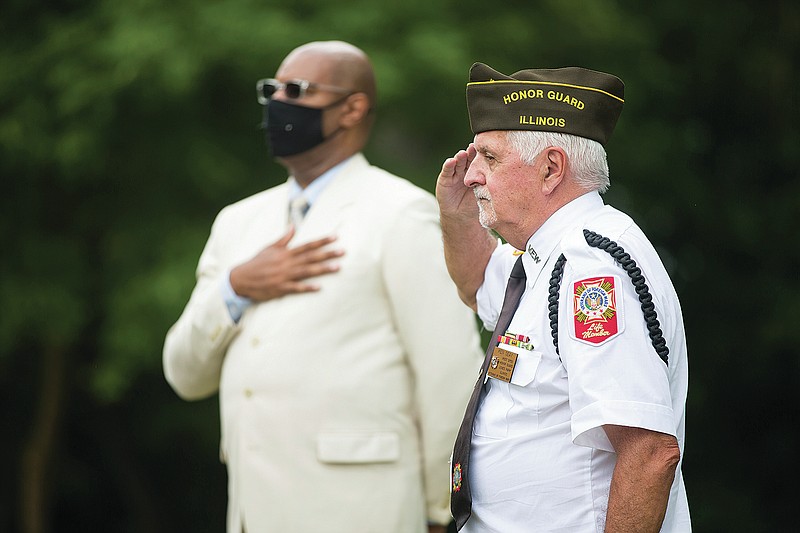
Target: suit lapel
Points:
(335, 201)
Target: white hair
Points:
(587, 158)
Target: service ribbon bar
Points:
(511, 339)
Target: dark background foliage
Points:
(126, 126)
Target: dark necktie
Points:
(461, 497)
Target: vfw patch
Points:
(598, 314)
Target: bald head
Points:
(335, 63)
(341, 84)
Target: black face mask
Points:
(293, 129)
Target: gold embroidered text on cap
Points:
(571, 100)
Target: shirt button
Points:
(255, 342)
(248, 393)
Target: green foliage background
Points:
(125, 127)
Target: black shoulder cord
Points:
(634, 272)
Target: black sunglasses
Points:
(266, 88)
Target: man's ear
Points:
(356, 107)
(554, 169)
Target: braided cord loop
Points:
(552, 297)
(640, 286)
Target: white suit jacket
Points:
(339, 408)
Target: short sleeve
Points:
(615, 375)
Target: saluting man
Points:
(576, 422)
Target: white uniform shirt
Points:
(540, 460)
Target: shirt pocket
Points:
(511, 408)
(523, 416)
(525, 368)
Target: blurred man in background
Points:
(324, 316)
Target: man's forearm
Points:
(467, 245)
(467, 249)
(643, 475)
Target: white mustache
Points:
(481, 193)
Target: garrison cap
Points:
(570, 100)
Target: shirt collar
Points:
(544, 240)
(316, 187)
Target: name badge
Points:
(502, 364)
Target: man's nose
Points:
(474, 176)
(280, 94)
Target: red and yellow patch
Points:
(595, 308)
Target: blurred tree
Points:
(124, 128)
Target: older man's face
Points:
(502, 183)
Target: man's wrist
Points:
(235, 303)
